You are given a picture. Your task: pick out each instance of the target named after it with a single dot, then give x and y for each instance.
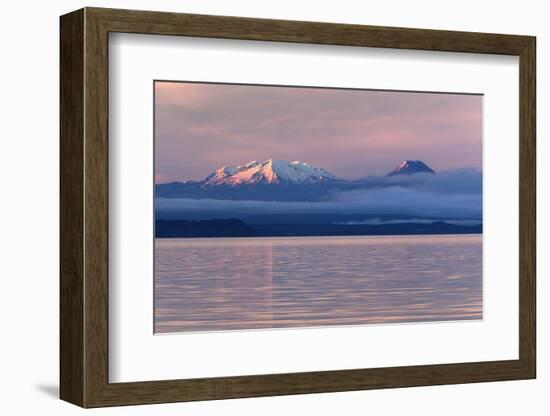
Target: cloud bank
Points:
(454, 194)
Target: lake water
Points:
(250, 283)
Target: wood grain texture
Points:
(96, 208)
(71, 100)
(162, 23)
(84, 207)
(528, 207)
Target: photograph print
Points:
(297, 207)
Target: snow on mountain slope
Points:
(268, 172)
(409, 167)
(280, 180)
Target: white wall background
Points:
(29, 210)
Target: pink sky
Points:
(350, 133)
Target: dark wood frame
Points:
(84, 208)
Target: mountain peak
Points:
(410, 167)
(271, 171)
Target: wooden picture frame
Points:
(84, 207)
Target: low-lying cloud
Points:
(456, 194)
(380, 221)
(460, 181)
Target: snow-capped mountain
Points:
(268, 172)
(410, 167)
(278, 180)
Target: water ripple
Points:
(250, 283)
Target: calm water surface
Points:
(250, 283)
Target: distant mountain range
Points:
(276, 180)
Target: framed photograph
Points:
(254, 207)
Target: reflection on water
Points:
(247, 283)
